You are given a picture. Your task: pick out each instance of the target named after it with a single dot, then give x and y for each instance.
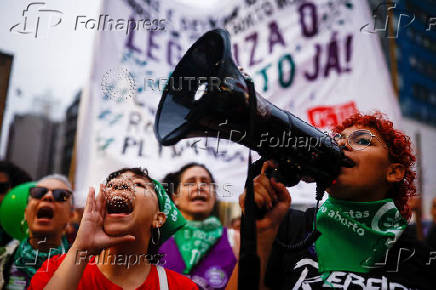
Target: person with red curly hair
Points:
(399, 151)
(365, 242)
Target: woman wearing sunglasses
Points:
(364, 241)
(48, 211)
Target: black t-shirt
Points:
(410, 264)
(431, 237)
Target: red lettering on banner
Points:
(330, 116)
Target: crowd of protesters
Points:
(138, 233)
(48, 233)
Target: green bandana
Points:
(29, 260)
(196, 238)
(356, 235)
(174, 220)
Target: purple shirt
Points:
(214, 269)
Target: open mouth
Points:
(45, 213)
(117, 203)
(199, 198)
(120, 194)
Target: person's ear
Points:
(395, 172)
(175, 198)
(159, 219)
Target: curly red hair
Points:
(400, 151)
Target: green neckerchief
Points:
(356, 235)
(174, 220)
(29, 260)
(196, 238)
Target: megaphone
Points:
(207, 96)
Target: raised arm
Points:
(90, 240)
(273, 196)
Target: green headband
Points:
(174, 220)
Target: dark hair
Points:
(171, 181)
(152, 252)
(143, 172)
(400, 151)
(16, 175)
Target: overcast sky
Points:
(57, 61)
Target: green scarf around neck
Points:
(355, 236)
(196, 238)
(29, 260)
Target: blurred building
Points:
(33, 144)
(5, 72)
(410, 50)
(59, 137)
(40, 145)
(70, 133)
(409, 46)
(417, 60)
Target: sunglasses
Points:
(59, 195)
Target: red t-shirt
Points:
(92, 278)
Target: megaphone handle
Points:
(249, 262)
(255, 169)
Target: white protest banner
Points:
(306, 57)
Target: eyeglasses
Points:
(59, 195)
(357, 140)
